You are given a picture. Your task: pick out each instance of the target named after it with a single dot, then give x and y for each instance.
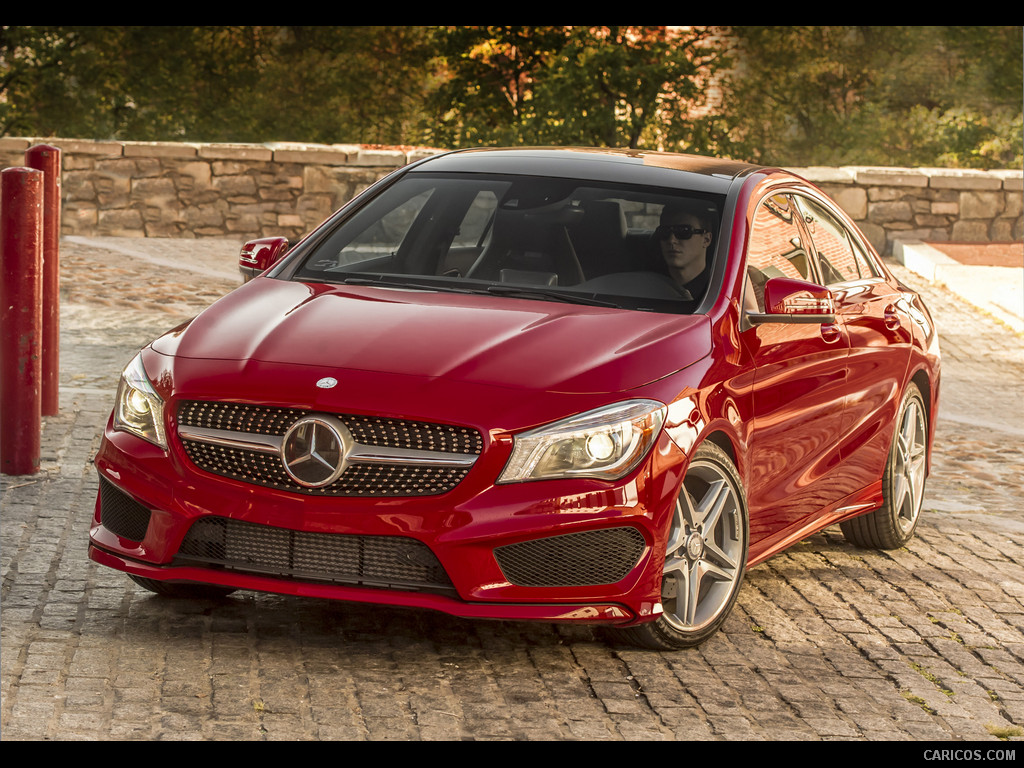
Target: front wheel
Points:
(705, 558)
(893, 524)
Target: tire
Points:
(706, 556)
(188, 591)
(893, 524)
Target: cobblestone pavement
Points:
(827, 642)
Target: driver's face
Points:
(685, 258)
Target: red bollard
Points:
(21, 256)
(45, 158)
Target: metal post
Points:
(21, 256)
(45, 158)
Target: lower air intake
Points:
(573, 559)
(386, 562)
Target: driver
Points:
(684, 235)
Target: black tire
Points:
(893, 524)
(186, 591)
(707, 545)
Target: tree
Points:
(624, 86)
(602, 86)
(488, 77)
(214, 83)
(874, 95)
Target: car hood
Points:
(497, 341)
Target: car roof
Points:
(705, 174)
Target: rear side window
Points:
(840, 256)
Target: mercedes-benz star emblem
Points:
(328, 382)
(314, 450)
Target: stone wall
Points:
(158, 189)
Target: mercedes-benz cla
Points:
(557, 385)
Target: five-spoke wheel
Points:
(705, 557)
(892, 525)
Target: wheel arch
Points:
(723, 441)
(930, 397)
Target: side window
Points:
(839, 254)
(775, 249)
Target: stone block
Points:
(235, 152)
(154, 187)
(79, 217)
(122, 222)
(1014, 202)
(309, 154)
(962, 178)
(970, 231)
(193, 175)
(980, 205)
(886, 212)
(12, 144)
(82, 147)
(1004, 230)
(853, 200)
(824, 175)
(385, 158)
(160, 149)
(1013, 180)
(889, 177)
(77, 186)
(945, 209)
(235, 186)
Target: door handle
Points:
(891, 318)
(831, 332)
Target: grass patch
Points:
(1005, 732)
(919, 701)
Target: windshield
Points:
(558, 239)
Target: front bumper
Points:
(525, 551)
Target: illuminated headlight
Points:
(139, 409)
(606, 443)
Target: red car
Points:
(558, 385)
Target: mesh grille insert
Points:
(394, 562)
(573, 559)
(121, 514)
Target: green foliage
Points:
(214, 83)
(592, 86)
(875, 96)
(800, 95)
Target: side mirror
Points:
(795, 301)
(260, 255)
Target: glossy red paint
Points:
(805, 406)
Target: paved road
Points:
(828, 642)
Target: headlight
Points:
(139, 409)
(606, 443)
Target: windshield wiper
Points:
(525, 292)
(399, 283)
(543, 293)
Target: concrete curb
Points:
(996, 290)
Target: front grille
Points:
(389, 562)
(121, 514)
(369, 430)
(572, 560)
(262, 467)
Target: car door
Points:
(871, 310)
(798, 391)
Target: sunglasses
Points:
(679, 231)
